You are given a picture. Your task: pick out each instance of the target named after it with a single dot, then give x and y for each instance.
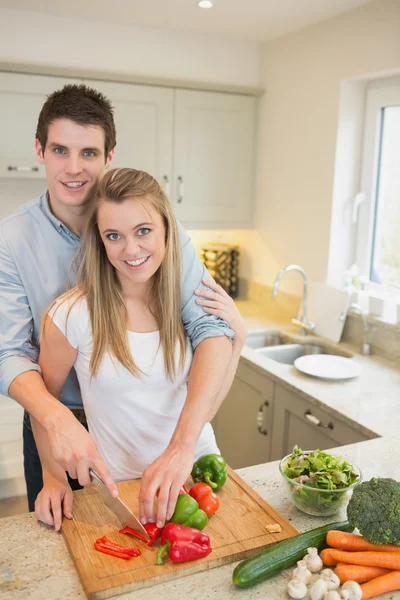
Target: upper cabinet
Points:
(21, 99)
(213, 171)
(199, 145)
(143, 120)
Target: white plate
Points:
(328, 366)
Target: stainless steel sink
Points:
(265, 339)
(288, 353)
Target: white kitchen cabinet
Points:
(21, 99)
(244, 421)
(298, 422)
(199, 145)
(144, 123)
(213, 171)
(12, 481)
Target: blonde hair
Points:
(97, 279)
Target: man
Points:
(75, 140)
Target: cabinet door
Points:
(21, 99)
(143, 119)
(298, 422)
(243, 422)
(11, 456)
(214, 159)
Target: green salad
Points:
(318, 470)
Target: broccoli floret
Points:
(374, 509)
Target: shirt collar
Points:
(45, 206)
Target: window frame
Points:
(378, 97)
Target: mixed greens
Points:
(318, 470)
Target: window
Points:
(378, 215)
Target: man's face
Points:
(133, 234)
(74, 160)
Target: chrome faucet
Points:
(365, 346)
(302, 320)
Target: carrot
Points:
(358, 573)
(386, 560)
(381, 585)
(327, 558)
(356, 543)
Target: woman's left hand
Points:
(220, 304)
(164, 478)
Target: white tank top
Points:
(131, 419)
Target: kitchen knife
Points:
(118, 507)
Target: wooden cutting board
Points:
(237, 530)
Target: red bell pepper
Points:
(183, 543)
(205, 496)
(106, 546)
(151, 528)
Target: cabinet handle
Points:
(22, 169)
(181, 189)
(315, 421)
(260, 418)
(165, 184)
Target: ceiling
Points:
(257, 20)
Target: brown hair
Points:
(97, 278)
(81, 104)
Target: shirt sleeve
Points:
(18, 352)
(71, 317)
(198, 324)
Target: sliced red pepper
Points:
(111, 552)
(105, 545)
(151, 528)
(206, 497)
(183, 543)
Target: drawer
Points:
(11, 469)
(10, 433)
(317, 418)
(10, 411)
(11, 451)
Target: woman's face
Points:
(133, 234)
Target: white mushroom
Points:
(331, 578)
(301, 572)
(354, 588)
(313, 560)
(332, 595)
(318, 589)
(344, 594)
(297, 589)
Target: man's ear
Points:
(39, 152)
(110, 157)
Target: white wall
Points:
(302, 73)
(37, 38)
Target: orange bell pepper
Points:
(205, 496)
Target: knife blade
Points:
(118, 507)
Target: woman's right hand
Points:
(54, 500)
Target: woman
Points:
(121, 329)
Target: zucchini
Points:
(283, 554)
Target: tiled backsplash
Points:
(383, 337)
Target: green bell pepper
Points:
(211, 469)
(187, 512)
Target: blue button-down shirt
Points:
(35, 255)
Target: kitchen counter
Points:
(35, 563)
(367, 403)
(34, 560)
